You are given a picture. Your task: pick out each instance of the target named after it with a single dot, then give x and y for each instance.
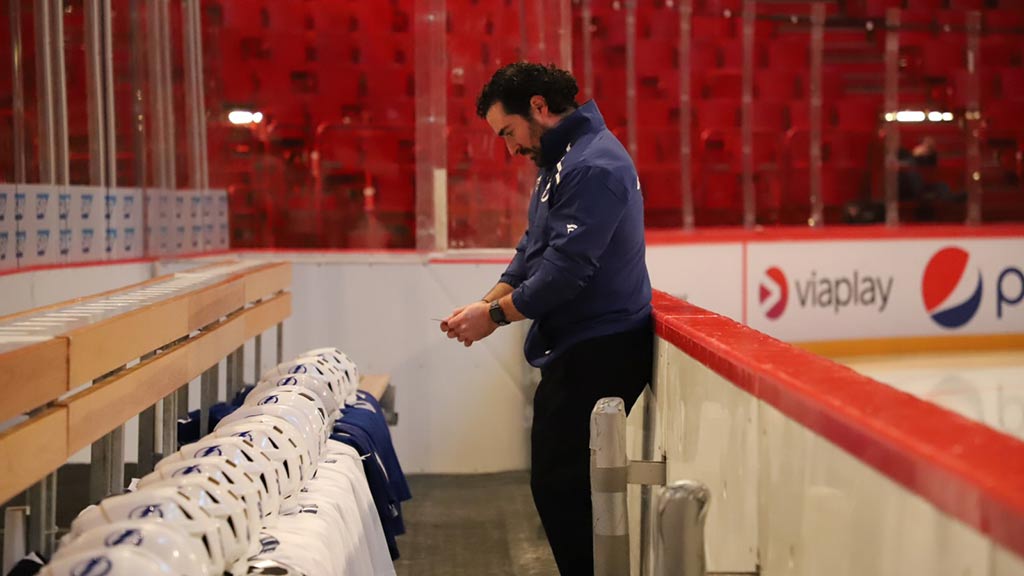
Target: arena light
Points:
(910, 116)
(914, 116)
(244, 117)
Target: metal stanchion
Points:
(208, 385)
(608, 471)
(169, 424)
(116, 478)
(679, 532)
(99, 469)
(240, 368)
(15, 528)
(280, 342)
(147, 434)
(147, 440)
(258, 358)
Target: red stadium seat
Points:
(945, 54)
(724, 84)
(858, 113)
(778, 85)
(1013, 84)
(790, 54)
(658, 113)
(655, 56)
(703, 56)
(288, 15)
(717, 114)
(769, 117)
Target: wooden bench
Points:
(80, 369)
(379, 386)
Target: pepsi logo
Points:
(773, 293)
(288, 381)
(950, 289)
(269, 400)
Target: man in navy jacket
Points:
(580, 274)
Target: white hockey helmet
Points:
(159, 504)
(239, 520)
(341, 361)
(281, 442)
(318, 386)
(165, 540)
(256, 566)
(312, 366)
(119, 561)
(302, 418)
(294, 395)
(246, 456)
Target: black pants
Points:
(616, 365)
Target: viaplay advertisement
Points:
(842, 290)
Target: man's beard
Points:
(535, 154)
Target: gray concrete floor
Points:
(473, 525)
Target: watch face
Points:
(497, 314)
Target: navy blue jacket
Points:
(579, 271)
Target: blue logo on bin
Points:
(87, 235)
(111, 238)
(129, 202)
(20, 238)
(65, 242)
(3, 206)
(129, 238)
(42, 201)
(3, 245)
(86, 206)
(109, 203)
(63, 206)
(196, 200)
(197, 233)
(42, 242)
(19, 206)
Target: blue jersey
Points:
(384, 498)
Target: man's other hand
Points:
(469, 323)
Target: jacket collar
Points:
(553, 143)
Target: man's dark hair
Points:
(514, 84)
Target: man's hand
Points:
(469, 323)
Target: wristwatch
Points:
(497, 314)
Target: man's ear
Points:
(539, 105)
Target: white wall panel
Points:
(460, 410)
(708, 275)
(793, 503)
(709, 431)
